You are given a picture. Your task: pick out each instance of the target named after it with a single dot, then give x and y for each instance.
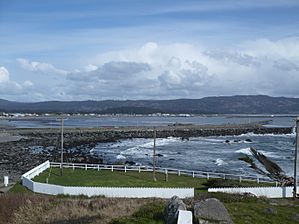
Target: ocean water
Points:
(212, 154)
(120, 121)
(201, 153)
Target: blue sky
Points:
(120, 49)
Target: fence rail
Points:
(269, 192)
(193, 173)
(124, 192)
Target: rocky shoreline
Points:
(17, 157)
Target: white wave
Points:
(272, 135)
(245, 151)
(146, 148)
(246, 142)
(220, 162)
(213, 140)
(120, 157)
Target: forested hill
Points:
(257, 104)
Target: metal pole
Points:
(61, 170)
(154, 156)
(295, 159)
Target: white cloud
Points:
(184, 70)
(36, 66)
(7, 86)
(90, 68)
(28, 83)
(178, 70)
(4, 75)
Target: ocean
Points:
(214, 154)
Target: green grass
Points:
(152, 213)
(106, 178)
(255, 212)
(19, 188)
(242, 209)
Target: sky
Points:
(147, 49)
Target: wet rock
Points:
(227, 141)
(211, 210)
(248, 140)
(159, 155)
(130, 163)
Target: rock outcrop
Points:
(172, 209)
(210, 211)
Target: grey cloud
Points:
(111, 71)
(236, 57)
(113, 79)
(117, 70)
(192, 75)
(285, 65)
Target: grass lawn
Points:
(106, 178)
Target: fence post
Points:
(166, 175)
(257, 180)
(98, 167)
(193, 174)
(139, 169)
(240, 179)
(85, 166)
(276, 184)
(125, 169)
(208, 176)
(223, 176)
(179, 173)
(112, 168)
(73, 166)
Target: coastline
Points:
(16, 156)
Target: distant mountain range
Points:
(252, 104)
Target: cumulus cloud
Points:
(234, 57)
(4, 75)
(286, 65)
(187, 75)
(90, 67)
(178, 70)
(28, 83)
(7, 86)
(183, 70)
(36, 66)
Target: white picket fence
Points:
(269, 192)
(193, 173)
(123, 192)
